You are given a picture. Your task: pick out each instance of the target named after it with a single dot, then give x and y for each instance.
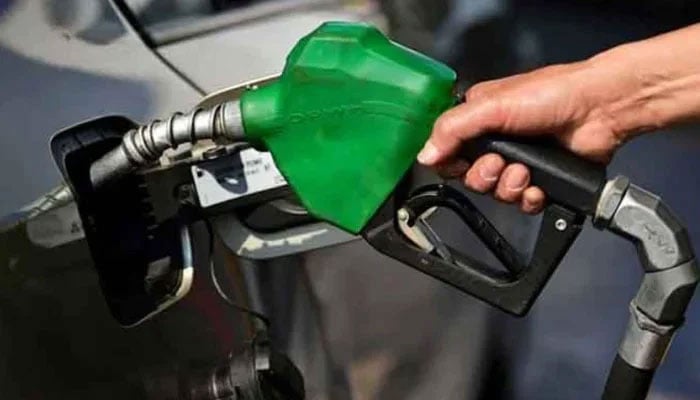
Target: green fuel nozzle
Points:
(347, 117)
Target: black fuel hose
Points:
(626, 382)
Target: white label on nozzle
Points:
(236, 176)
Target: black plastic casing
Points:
(119, 224)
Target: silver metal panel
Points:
(248, 51)
(176, 31)
(56, 79)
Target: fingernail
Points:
(517, 182)
(489, 171)
(429, 154)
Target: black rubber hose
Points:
(626, 382)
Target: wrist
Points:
(626, 97)
(650, 84)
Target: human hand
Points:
(591, 107)
(566, 101)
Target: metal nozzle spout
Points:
(146, 144)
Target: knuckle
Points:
(444, 126)
(476, 92)
(495, 113)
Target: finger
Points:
(486, 89)
(514, 179)
(452, 169)
(457, 125)
(532, 200)
(484, 173)
(482, 90)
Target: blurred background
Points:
(358, 325)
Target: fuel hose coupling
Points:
(670, 269)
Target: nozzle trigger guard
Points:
(405, 238)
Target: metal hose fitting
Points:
(57, 197)
(144, 145)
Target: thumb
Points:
(457, 125)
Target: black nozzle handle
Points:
(566, 178)
(626, 382)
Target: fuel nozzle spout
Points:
(144, 145)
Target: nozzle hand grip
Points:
(566, 178)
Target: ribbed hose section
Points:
(146, 144)
(57, 197)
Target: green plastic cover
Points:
(347, 117)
